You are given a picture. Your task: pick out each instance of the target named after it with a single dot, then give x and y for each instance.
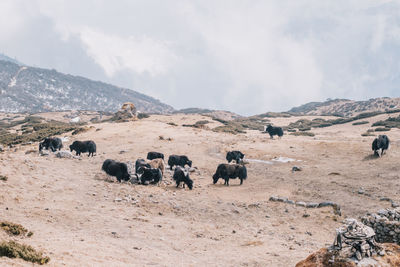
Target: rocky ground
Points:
(80, 217)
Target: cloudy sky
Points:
(245, 56)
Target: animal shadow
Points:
(370, 157)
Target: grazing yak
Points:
(141, 163)
(155, 155)
(234, 155)
(52, 143)
(179, 161)
(158, 164)
(381, 142)
(230, 171)
(180, 176)
(151, 175)
(117, 169)
(85, 146)
(274, 131)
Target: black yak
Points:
(141, 163)
(117, 169)
(151, 175)
(381, 142)
(179, 161)
(234, 155)
(230, 171)
(155, 155)
(83, 146)
(274, 131)
(180, 176)
(52, 143)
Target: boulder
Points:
(64, 154)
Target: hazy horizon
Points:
(245, 57)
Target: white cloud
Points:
(138, 54)
(244, 56)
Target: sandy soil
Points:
(81, 218)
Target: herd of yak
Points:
(152, 171)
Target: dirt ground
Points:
(80, 217)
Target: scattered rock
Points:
(361, 191)
(64, 154)
(296, 169)
(117, 199)
(336, 207)
(30, 151)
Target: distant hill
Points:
(346, 107)
(219, 114)
(29, 89)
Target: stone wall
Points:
(386, 224)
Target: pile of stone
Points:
(127, 112)
(386, 224)
(355, 240)
(335, 206)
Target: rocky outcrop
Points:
(354, 246)
(326, 258)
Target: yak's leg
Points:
(241, 181)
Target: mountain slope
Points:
(29, 89)
(7, 58)
(346, 107)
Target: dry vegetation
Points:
(14, 229)
(12, 249)
(32, 129)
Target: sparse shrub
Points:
(367, 134)
(13, 228)
(305, 129)
(229, 129)
(389, 123)
(382, 129)
(360, 122)
(303, 134)
(291, 130)
(172, 123)
(3, 178)
(80, 130)
(13, 249)
(198, 124)
(40, 131)
(143, 116)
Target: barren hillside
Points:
(346, 107)
(81, 217)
